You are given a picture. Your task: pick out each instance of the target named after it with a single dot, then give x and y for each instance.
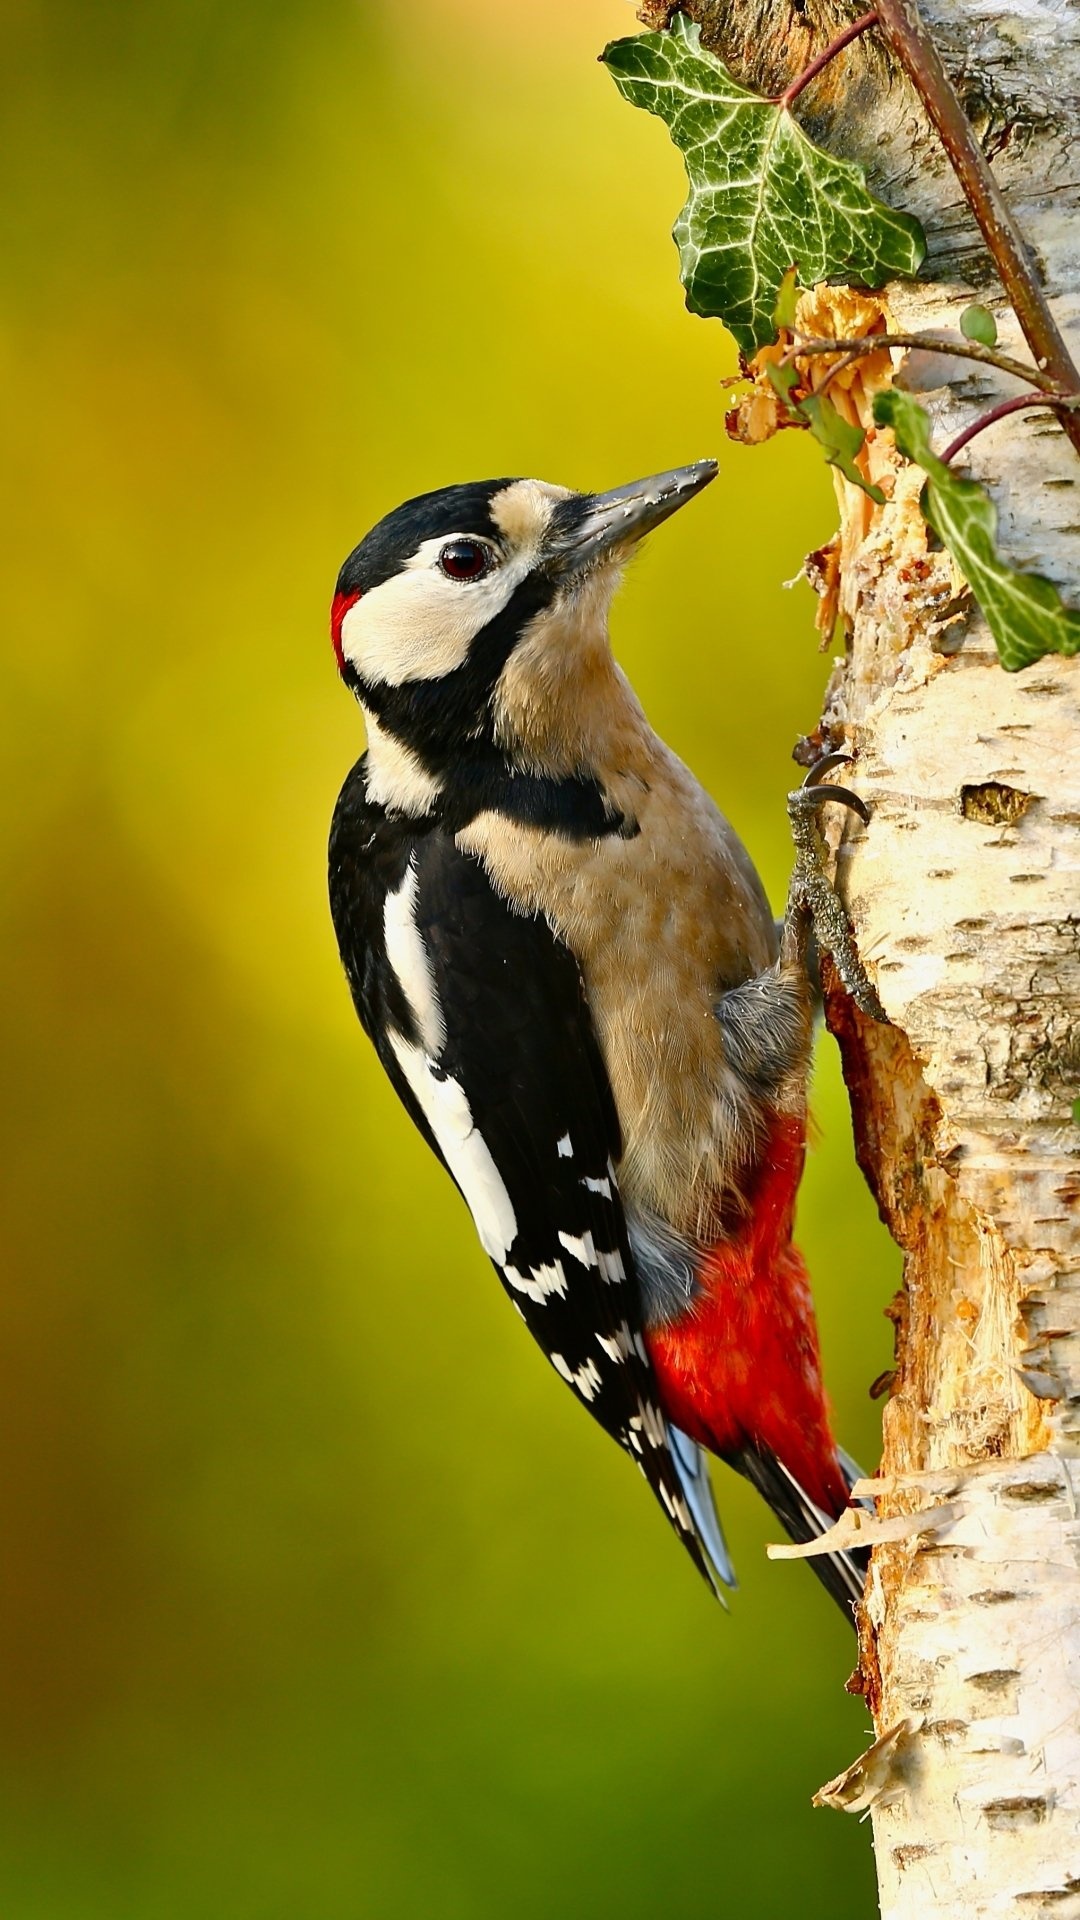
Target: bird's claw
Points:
(813, 903)
(812, 793)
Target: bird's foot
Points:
(813, 905)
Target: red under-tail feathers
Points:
(742, 1373)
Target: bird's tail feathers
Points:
(693, 1471)
(844, 1573)
(852, 1471)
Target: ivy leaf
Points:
(978, 324)
(784, 379)
(1024, 612)
(839, 438)
(762, 196)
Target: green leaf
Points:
(1024, 612)
(978, 324)
(763, 198)
(1076, 1111)
(783, 379)
(786, 301)
(839, 438)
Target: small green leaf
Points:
(1024, 612)
(783, 379)
(1076, 1111)
(762, 196)
(978, 324)
(786, 301)
(839, 438)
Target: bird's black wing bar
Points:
(480, 1018)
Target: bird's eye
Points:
(464, 559)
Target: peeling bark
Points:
(965, 897)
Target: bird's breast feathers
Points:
(660, 923)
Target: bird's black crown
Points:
(465, 508)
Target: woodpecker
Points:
(568, 967)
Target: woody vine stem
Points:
(912, 46)
(1048, 394)
(907, 39)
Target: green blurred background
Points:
(321, 1596)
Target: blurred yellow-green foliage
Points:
(323, 1600)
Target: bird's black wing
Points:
(480, 1018)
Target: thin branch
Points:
(1064, 403)
(912, 46)
(834, 47)
(924, 343)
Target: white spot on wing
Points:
(677, 1508)
(466, 1152)
(564, 1147)
(652, 1424)
(409, 958)
(602, 1186)
(540, 1283)
(586, 1379)
(619, 1345)
(583, 1250)
(611, 1267)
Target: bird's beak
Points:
(592, 526)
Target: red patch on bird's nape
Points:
(339, 608)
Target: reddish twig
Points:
(830, 52)
(1061, 403)
(915, 51)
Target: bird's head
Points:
(474, 604)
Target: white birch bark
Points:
(965, 897)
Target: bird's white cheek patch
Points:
(447, 1112)
(420, 625)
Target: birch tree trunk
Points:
(965, 896)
